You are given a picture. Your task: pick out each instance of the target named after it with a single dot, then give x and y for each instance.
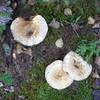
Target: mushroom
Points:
(59, 43)
(77, 68)
(29, 33)
(56, 77)
(67, 11)
(91, 20)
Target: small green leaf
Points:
(6, 78)
(88, 49)
(2, 28)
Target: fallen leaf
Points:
(96, 25)
(21, 49)
(54, 24)
(95, 74)
(31, 2)
(97, 60)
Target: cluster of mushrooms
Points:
(61, 74)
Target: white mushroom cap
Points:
(56, 77)
(59, 43)
(76, 66)
(29, 32)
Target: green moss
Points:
(1, 62)
(84, 92)
(88, 37)
(6, 78)
(88, 49)
(2, 28)
(36, 79)
(85, 8)
(72, 42)
(8, 96)
(49, 11)
(75, 40)
(53, 35)
(38, 89)
(55, 9)
(5, 14)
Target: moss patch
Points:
(38, 89)
(83, 92)
(53, 35)
(6, 78)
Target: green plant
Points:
(2, 28)
(6, 78)
(85, 8)
(36, 88)
(5, 14)
(53, 35)
(83, 92)
(55, 9)
(88, 49)
(50, 12)
(40, 90)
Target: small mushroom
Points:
(67, 11)
(91, 20)
(56, 77)
(29, 33)
(59, 43)
(77, 68)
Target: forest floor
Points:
(24, 67)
